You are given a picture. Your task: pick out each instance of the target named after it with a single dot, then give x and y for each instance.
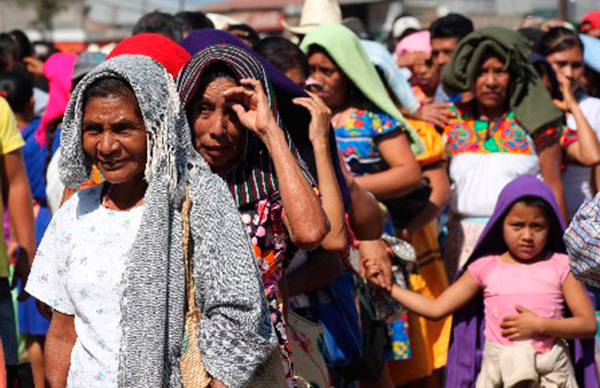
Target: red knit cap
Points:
(158, 47)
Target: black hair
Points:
(17, 88)
(354, 92)
(554, 228)
(544, 68)
(559, 39)
(452, 25)
(44, 50)
(192, 21)
(159, 23)
(23, 42)
(212, 72)
(282, 53)
(109, 87)
(252, 37)
(9, 52)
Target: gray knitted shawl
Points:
(235, 331)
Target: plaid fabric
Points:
(582, 239)
(254, 178)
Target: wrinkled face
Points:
(441, 51)
(425, 74)
(569, 64)
(526, 231)
(332, 85)
(114, 137)
(491, 83)
(297, 75)
(218, 134)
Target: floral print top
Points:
(264, 224)
(357, 140)
(78, 271)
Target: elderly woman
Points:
(237, 128)
(111, 264)
(509, 129)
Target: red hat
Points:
(158, 47)
(590, 21)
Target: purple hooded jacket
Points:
(466, 347)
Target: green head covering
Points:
(529, 99)
(344, 47)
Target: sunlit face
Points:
(569, 64)
(491, 83)
(297, 75)
(114, 137)
(526, 231)
(218, 134)
(333, 83)
(425, 74)
(441, 51)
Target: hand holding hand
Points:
(252, 107)
(320, 114)
(525, 325)
(375, 254)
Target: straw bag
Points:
(193, 371)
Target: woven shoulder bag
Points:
(193, 371)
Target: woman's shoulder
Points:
(82, 202)
(375, 120)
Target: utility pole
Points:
(181, 5)
(563, 9)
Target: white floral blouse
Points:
(78, 271)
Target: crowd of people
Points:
(206, 207)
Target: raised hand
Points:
(569, 101)
(320, 114)
(251, 105)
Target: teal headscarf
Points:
(344, 47)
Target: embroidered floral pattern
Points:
(264, 224)
(466, 134)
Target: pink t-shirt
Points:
(537, 287)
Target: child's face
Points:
(525, 231)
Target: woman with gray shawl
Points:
(111, 265)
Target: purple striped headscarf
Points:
(254, 177)
(295, 118)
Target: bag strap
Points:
(189, 265)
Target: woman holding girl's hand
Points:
(526, 281)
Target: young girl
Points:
(520, 267)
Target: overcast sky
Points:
(127, 11)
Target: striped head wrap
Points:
(235, 335)
(254, 177)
